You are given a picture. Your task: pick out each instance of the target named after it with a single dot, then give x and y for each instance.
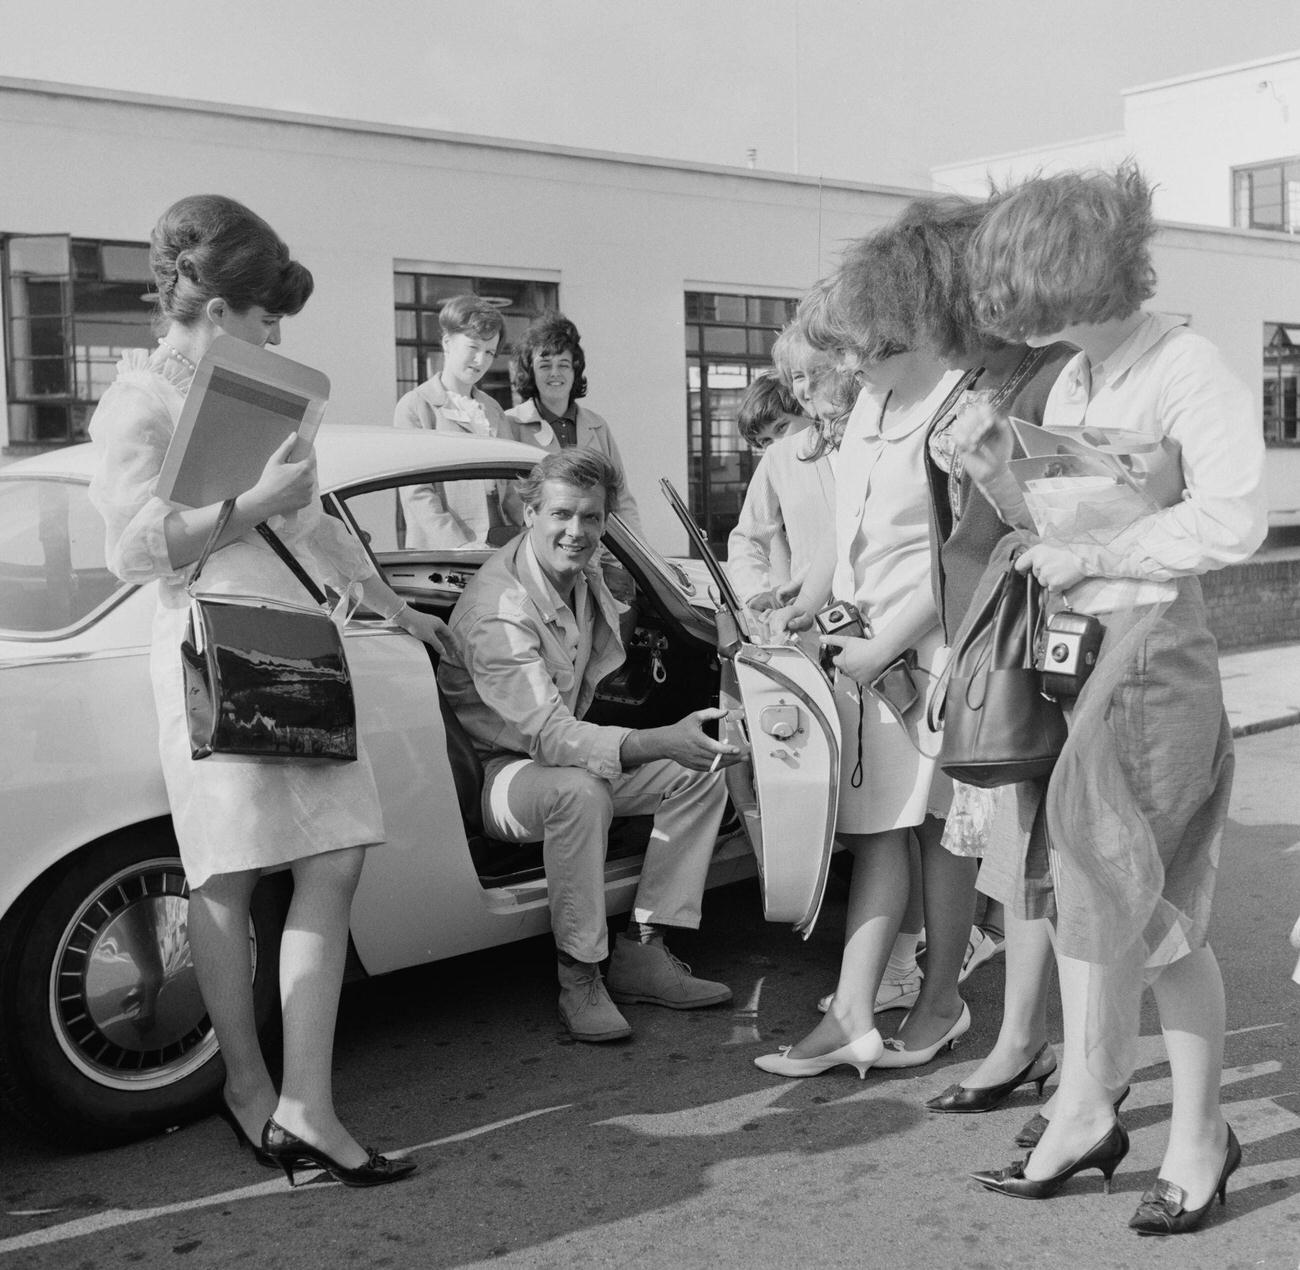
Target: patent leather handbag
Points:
(265, 679)
(998, 727)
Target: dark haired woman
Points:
(1136, 806)
(920, 291)
(549, 372)
(220, 269)
(889, 790)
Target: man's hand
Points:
(684, 742)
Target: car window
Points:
(52, 570)
(466, 514)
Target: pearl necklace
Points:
(179, 356)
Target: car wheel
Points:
(103, 1033)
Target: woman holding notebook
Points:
(220, 269)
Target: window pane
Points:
(724, 339)
(40, 299)
(430, 331)
(1266, 201)
(729, 308)
(32, 424)
(39, 377)
(404, 288)
(404, 323)
(41, 257)
(435, 288)
(408, 367)
(1241, 200)
(85, 261)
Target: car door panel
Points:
(786, 792)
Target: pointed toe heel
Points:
(860, 1054)
(224, 1111)
(291, 1153)
(1031, 1132)
(1164, 1211)
(963, 1100)
(898, 1055)
(1106, 1156)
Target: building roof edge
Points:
(264, 114)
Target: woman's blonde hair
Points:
(1064, 250)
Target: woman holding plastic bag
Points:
(1124, 852)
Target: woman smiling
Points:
(549, 374)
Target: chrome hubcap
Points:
(124, 998)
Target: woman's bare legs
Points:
(877, 898)
(1082, 1111)
(1189, 996)
(948, 888)
(1029, 965)
(312, 954)
(218, 934)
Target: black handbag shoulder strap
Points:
(219, 527)
(291, 560)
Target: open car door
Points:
(782, 712)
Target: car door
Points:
(782, 712)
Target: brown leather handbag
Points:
(998, 728)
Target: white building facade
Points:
(678, 275)
(1222, 150)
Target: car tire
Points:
(104, 1036)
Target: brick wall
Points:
(1257, 602)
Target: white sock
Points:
(902, 958)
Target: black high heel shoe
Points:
(1031, 1132)
(961, 1100)
(1162, 1210)
(290, 1152)
(1105, 1155)
(223, 1110)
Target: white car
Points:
(103, 1034)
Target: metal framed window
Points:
(417, 298)
(1267, 196)
(71, 306)
(728, 344)
(1281, 380)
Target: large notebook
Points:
(243, 403)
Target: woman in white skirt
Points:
(221, 269)
(889, 789)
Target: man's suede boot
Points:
(649, 973)
(585, 1007)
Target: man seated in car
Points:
(536, 630)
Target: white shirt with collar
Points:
(1173, 385)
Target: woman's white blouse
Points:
(1167, 381)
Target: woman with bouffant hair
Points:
(1123, 858)
(549, 374)
(222, 270)
(919, 292)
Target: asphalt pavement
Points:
(673, 1150)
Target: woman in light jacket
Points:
(549, 373)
